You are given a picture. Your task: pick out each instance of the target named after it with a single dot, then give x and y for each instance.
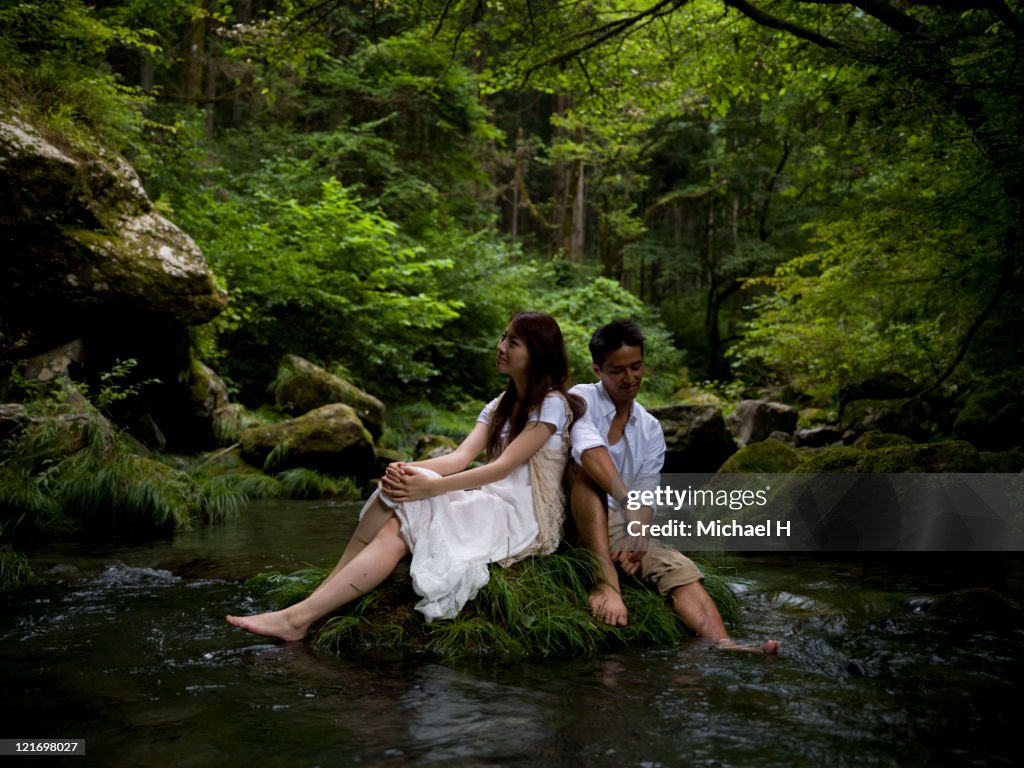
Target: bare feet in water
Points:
(606, 604)
(274, 624)
(770, 647)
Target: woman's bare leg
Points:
(376, 516)
(368, 568)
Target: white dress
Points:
(454, 536)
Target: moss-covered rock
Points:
(430, 446)
(80, 235)
(874, 439)
(771, 456)
(696, 396)
(301, 387)
(331, 440)
(948, 456)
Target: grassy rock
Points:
(536, 608)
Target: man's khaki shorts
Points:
(664, 566)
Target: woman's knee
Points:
(390, 535)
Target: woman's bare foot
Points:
(769, 648)
(606, 604)
(274, 624)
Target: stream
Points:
(125, 646)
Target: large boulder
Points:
(83, 243)
(302, 386)
(755, 420)
(696, 437)
(331, 440)
(91, 277)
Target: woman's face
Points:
(512, 356)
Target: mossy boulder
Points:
(695, 396)
(874, 439)
(771, 456)
(82, 239)
(302, 386)
(696, 437)
(430, 446)
(948, 456)
(330, 440)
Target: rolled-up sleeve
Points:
(585, 435)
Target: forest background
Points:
(802, 194)
(809, 197)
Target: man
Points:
(618, 440)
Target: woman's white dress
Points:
(454, 536)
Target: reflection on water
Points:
(133, 655)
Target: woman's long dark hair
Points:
(549, 370)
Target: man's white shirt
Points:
(638, 455)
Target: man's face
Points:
(621, 373)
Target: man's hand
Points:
(629, 553)
(630, 550)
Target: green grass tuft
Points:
(14, 568)
(534, 609)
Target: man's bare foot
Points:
(606, 604)
(274, 624)
(769, 648)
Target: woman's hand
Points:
(402, 483)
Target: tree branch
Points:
(885, 13)
(767, 20)
(604, 32)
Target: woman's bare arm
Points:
(528, 442)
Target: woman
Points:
(456, 520)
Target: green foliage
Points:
(52, 65)
(581, 307)
(326, 280)
(14, 568)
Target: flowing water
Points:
(131, 653)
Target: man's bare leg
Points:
(590, 511)
(694, 606)
(367, 569)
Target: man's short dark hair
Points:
(608, 338)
